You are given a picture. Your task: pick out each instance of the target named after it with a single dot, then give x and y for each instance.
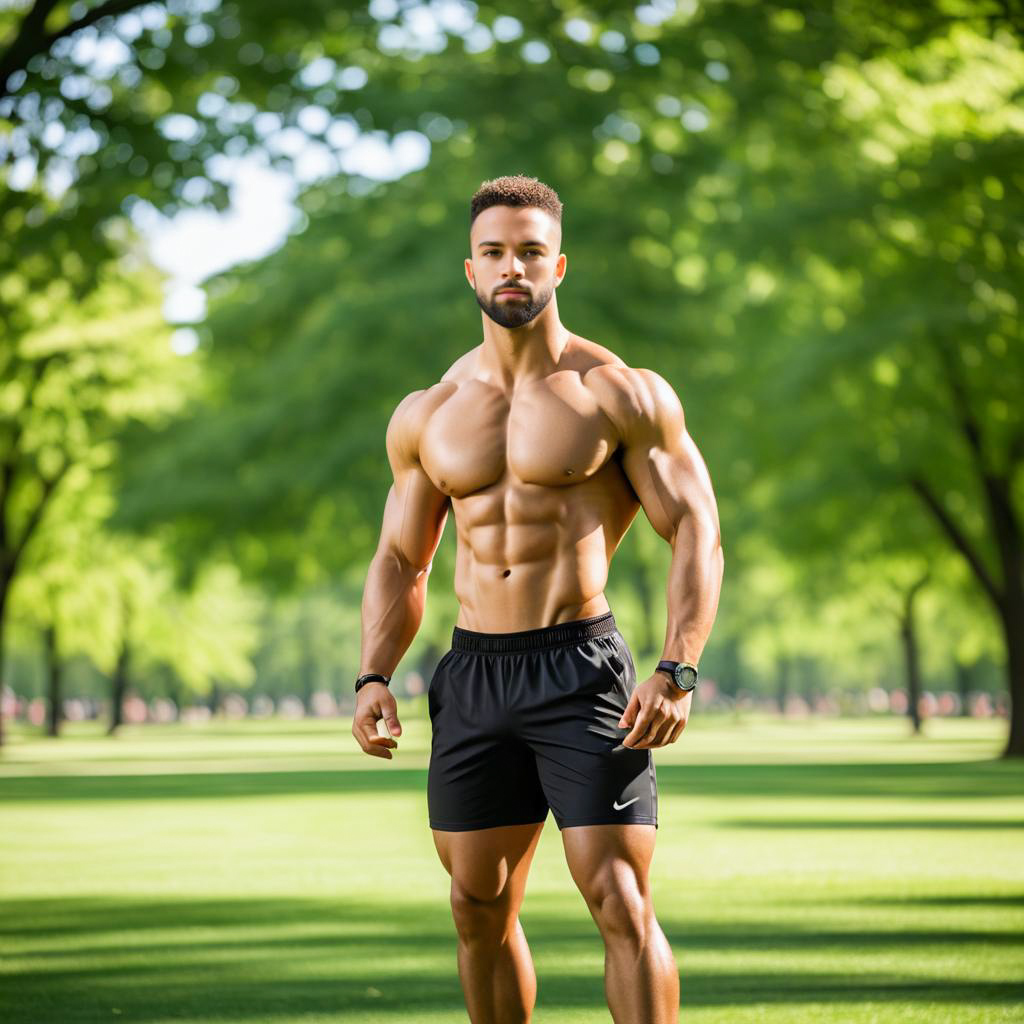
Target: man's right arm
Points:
(396, 582)
(414, 517)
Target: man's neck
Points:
(512, 356)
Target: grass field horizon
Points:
(816, 869)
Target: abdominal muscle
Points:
(532, 556)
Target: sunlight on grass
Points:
(810, 870)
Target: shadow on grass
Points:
(206, 785)
(892, 781)
(76, 960)
(1010, 899)
(870, 823)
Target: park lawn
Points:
(807, 870)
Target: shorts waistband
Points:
(563, 634)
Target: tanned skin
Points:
(544, 445)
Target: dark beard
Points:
(515, 314)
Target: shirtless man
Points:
(544, 445)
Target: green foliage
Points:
(807, 218)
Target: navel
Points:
(569, 472)
(507, 572)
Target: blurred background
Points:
(231, 240)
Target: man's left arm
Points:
(672, 482)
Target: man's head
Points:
(515, 233)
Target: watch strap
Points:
(669, 667)
(371, 677)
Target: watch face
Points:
(686, 677)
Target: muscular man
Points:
(544, 445)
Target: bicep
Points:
(671, 481)
(664, 465)
(415, 513)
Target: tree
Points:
(774, 227)
(67, 388)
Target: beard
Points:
(515, 312)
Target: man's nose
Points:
(514, 266)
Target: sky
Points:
(195, 244)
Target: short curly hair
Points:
(515, 190)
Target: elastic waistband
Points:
(563, 634)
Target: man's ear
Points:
(560, 265)
(469, 273)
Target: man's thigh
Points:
(491, 863)
(604, 859)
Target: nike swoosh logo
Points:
(619, 806)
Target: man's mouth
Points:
(513, 291)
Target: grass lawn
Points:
(806, 871)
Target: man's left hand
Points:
(657, 711)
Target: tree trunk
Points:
(308, 680)
(1005, 587)
(729, 684)
(782, 681)
(912, 669)
(53, 678)
(911, 660)
(119, 686)
(1013, 627)
(964, 677)
(213, 701)
(808, 675)
(5, 586)
(175, 690)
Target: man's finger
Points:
(365, 728)
(643, 720)
(631, 710)
(657, 734)
(367, 734)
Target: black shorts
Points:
(523, 722)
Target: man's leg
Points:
(610, 865)
(489, 868)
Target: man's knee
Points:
(621, 911)
(484, 913)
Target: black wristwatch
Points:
(682, 673)
(371, 677)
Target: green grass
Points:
(806, 871)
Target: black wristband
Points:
(371, 677)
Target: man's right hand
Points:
(374, 702)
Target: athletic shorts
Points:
(523, 722)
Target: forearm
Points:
(393, 602)
(694, 584)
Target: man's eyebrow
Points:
(542, 245)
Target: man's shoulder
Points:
(413, 411)
(409, 418)
(635, 399)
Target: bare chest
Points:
(551, 433)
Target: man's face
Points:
(515, 248)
